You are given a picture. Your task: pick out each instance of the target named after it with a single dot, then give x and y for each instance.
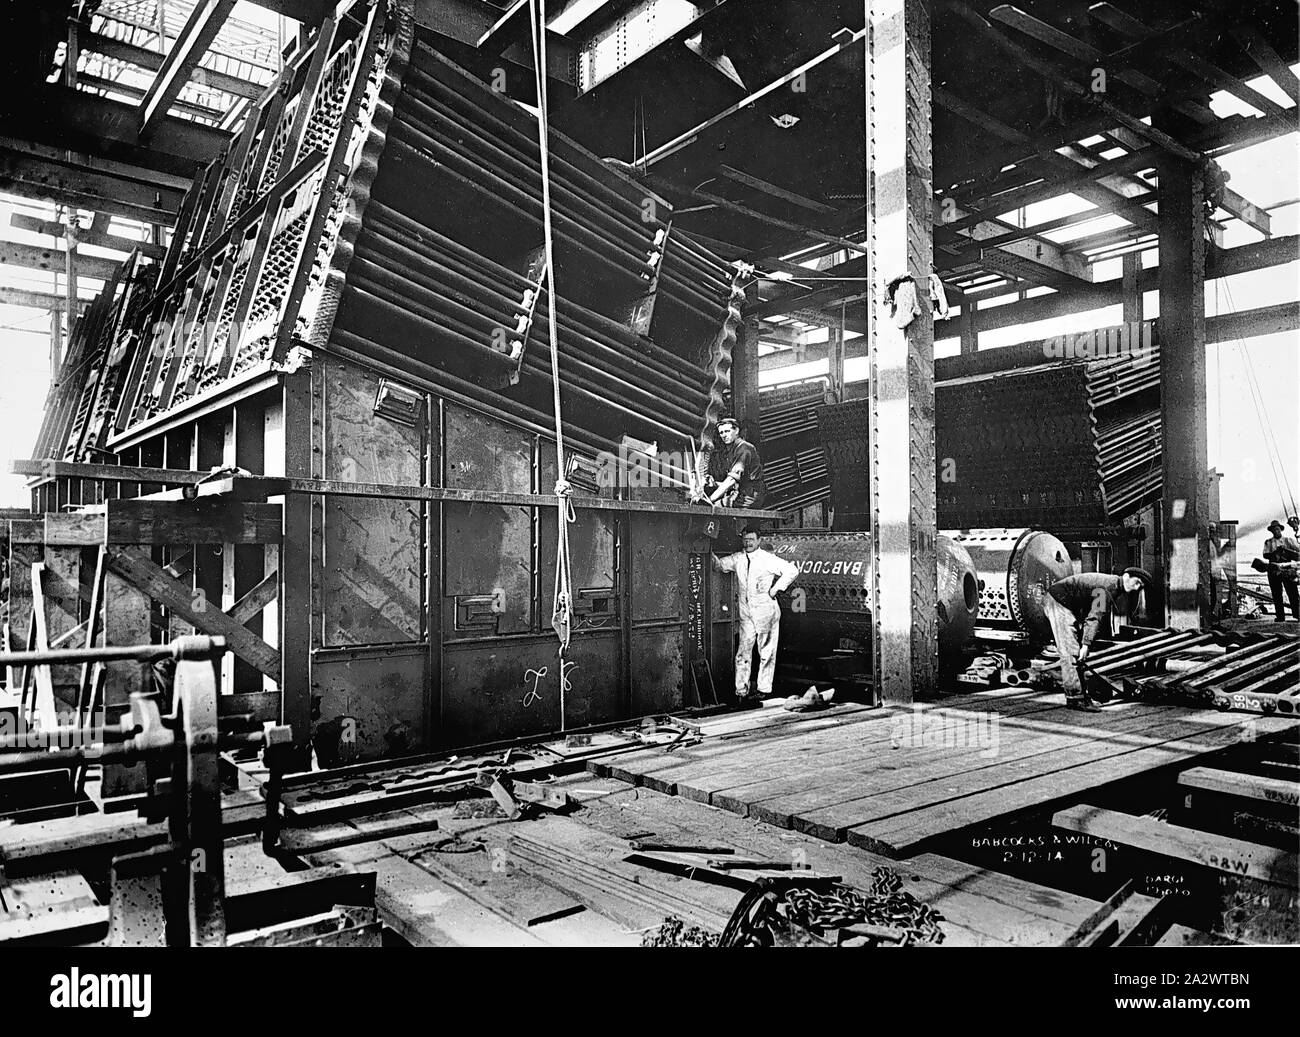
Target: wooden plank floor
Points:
(486, 898)
(892, 780)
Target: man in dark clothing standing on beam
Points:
(735, 477)
(1086, 598)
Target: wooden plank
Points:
(700, 770)
(1107, 739)
(263, 706)
(35, 847)
(73, 530)
(904, 834)
(126, 622)
(821, 774)
(260, 487)
(1247, 786)
(256, 599)
(912, 775)
(657, 769)
(62, 586)
(93, 629)
(45, 704)
(135, 567)
(822, 784)
(27, 531)
(423, 911)
(1233, 856)
(980, 908)
(191, 522)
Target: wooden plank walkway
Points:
(980, 907)
(893, 780)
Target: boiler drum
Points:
(1014, 568)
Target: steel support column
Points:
(1132, 290)
(1182, 377)
(903, 521)
(744, 374)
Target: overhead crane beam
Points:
(63, 118)
(1252, 40)
(152, 61)
(1279, 318)
(200, 30)
(37, 172)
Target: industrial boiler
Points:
(826, 620)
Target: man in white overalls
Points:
(761, 576)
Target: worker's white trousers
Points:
(1067, 644)
(759, 630)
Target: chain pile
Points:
(675, 933)
(885, 904)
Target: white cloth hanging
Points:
(938, 297)
(906, 307)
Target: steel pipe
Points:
(409, 233)
(511, 308)
(570, 231)
(379, 283)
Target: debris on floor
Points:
(676, 933)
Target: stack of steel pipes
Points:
(1257, 673)
(794, 461)
(461, 132)
(1125, 397)
(1060, 445)
(446, 283)
(409, 276)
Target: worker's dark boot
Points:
(1082, 703)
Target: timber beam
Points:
(54, 260)
(158, 524)
(86, 236)
(259, 487)
(39, 300)
(136, 568)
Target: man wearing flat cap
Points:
(1086, 598)
(735, 476)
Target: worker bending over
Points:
(1086, 598)
(760, 576)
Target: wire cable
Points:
(562, 603)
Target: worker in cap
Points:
(760, 577)
(1282, 552)
(1084, 600)
(735, 475)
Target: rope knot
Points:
(563, 488)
